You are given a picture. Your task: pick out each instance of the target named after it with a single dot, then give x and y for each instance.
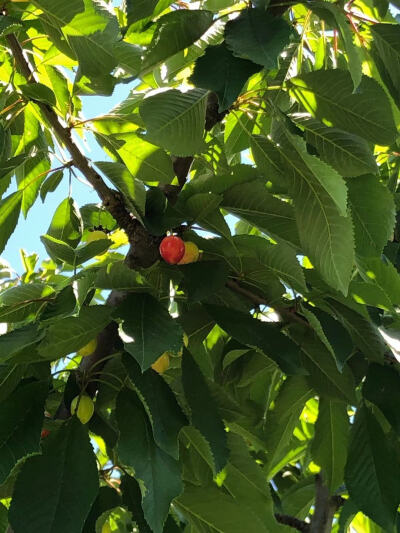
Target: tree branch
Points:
(285, 313)
(325, 507)
(293, 522)
(111, 199)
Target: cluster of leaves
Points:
(290, 367)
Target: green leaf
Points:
(373, 213)
(9, 215)
(258, 36)
(13, 342)
(282, 420)
(340, 343)
(253, 203)
(263, 336)
(166, 417)
(107, 499)
(58, 250)
(152, 329)
(204, 209)
(329, 447)
(203, 279)
(383, 274)
(382, 388)
(69, 334)
(204, 412)
(38, 93)
(139, 9)
(86, 251)
(30, 176)
(132, 499)
(132, 189)
(213, 511)
(21, 420)
(144, 160)
(51, 183)
(325, 234)
(220, 71)
(328, 96)
(91, 35)
(118, 276)
(66, 224)
(49, 496)
(279, 259)
(372, 472)
(176, 31)
(175, 120)
(386, 41)
(245, 481)
(324, 376)
(158, 471)
(349, 154)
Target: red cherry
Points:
(172, 249)
(45, 433)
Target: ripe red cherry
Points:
(172, 249)
(45, 433)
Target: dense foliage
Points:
(266, 133)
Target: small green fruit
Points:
(83, 407)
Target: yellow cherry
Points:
(191, 254)
(162, 363)
(88, 349)
(83, 407)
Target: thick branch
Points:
(111, 199)
(325, 508)
(286, 314)
(293, 522)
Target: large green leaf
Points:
(9, 215)
(324, 376)
(151, 328)
(38, 92)
(349, 154)
(30, 176)
(386, 40)
(49, 496)
(280, 260)
(373, 213)
(204, 412)
(220, 71)
(382, 387)
(328, 96)
(21, 420)
(176, 31)
(253, 203)
(329, 447)
(325, 234)
(15, 341)
(158, 471)
(166, 417)
(258, 36)
(69, 334)
(175, 120)
(263, 336)
(382, 274)
(372, 471)
(245, 481)
(213, 511)
(144, 160)
(132, 499)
